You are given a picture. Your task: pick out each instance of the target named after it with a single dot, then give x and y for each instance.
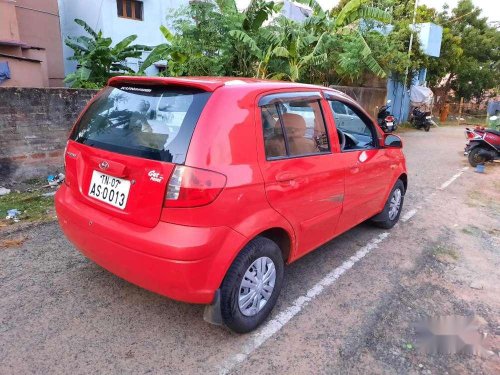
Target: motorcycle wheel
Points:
(475, 158)
(427, 127)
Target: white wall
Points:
(102, 15)
(87, 10)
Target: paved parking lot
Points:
(348, 307)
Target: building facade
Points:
(117, 19)
(30, 44)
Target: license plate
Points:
(389, 124)
(109, 189)
(428, 117)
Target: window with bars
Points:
(132, 9)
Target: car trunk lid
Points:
(126, 144)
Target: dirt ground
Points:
(60, 313)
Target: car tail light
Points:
(193, 187)
(389, 119)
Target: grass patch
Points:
(471, 230)
(467, 231)
(33, 206)
(445, 254)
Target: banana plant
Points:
(346, 22)
(301, 49)
(164, 51)
(254, 15)
(253, 46)
(263, 55)
(97, 59)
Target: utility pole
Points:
(409, 54)
(411, 41)
(460, 109)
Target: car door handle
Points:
(285, 176)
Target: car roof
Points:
(214, 83)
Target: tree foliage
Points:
(217, 39)
(469, 55)
(340, 46)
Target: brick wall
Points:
(34, 126)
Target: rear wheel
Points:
(252, 285)
(427, 127)
(392, 209)
(475, 157)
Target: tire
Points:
(245, 319)
(388, 218)
(474, 158)
(427, 127)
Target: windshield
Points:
(150, 122)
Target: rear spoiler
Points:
(204, 84)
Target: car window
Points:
(338, 107)
(357, 130)
(294, 128)
(150, 122)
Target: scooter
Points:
(421, 119)
(385, 119)
(483, 145)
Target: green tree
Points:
(97, 59)
(217, 39)
(264, 54)
(346, 21)
(468, 65)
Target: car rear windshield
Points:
(149, 122)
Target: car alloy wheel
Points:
(395, 204)
(257, 286)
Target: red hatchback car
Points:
(202, 189)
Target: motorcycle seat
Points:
(496, 132)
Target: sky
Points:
(491, 8)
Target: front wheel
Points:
(392, 209)
(252, 285)
(475, 157)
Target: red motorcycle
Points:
(483, 145)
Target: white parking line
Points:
(261, 335)
(407, 216)
(453, 178)
(256, 339)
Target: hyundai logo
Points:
(103, 165)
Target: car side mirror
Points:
(393, 141)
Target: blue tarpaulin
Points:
(493, 107)
(4, 71)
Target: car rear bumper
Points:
(180, 262)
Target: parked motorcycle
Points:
(483, 145)
(421, 119)
(385, 119)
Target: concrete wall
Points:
(34, 127)
(9, 29)
(370, 98)
(30, 40)
(39, 27)
(24, 73)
